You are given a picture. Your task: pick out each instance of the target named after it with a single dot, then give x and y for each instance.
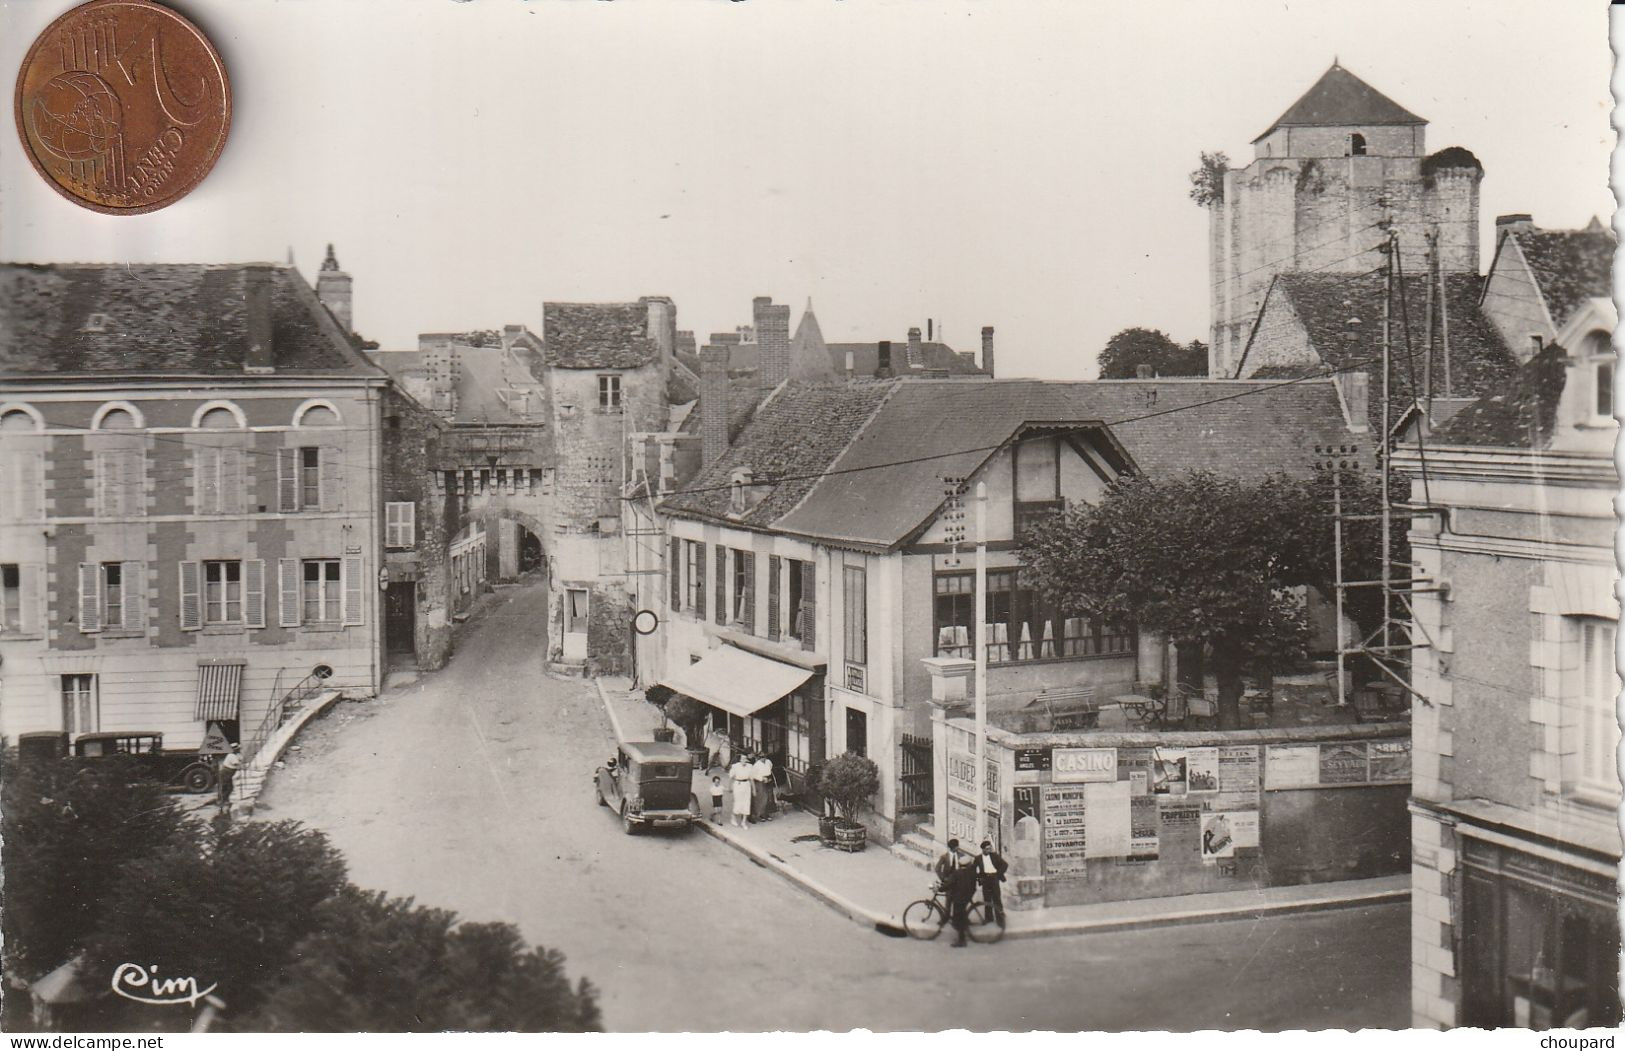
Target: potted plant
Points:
(850, 781)
(689, 714)
(813, 798)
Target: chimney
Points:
(333, 289)
(916, 359)
(772, 323)
(713, 403)
(987, 349)
(849, 365)
(930, 329)
(1144, 372)
(1514, 222)
(261, 355)
(662, 323)
(883, 360)
(1356, 387)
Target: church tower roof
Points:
(1341, 99)
(809, 354)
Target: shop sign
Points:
(962, 826)
(1343, 763)
(961, 769)
(1084, 764)
(1390, 761)
(1033, 758)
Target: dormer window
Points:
(1598, 360)
(1356, 145)
(1605, 389)
(739, 491)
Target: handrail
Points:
(307, 687)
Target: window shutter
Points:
(90, 597)
(106, 484)
(698, 583)
(721, 611)
(22, 485)
(32, 597)
(748, 614)
(288, 592)
(809, 605)
(409, 524)
(287, 480)
(254, 592)
(133, 499)
(229, 485)
(353, 585)
(134, 598)
(205, 475)
(773, 587)
(392, 525)
(674, 567)
(329, 477)
(191, 602)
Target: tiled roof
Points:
(1570, 266)
(743, 396)
(597, 335)
(1339, 99)
(794, 436)
(950, 427)
(1343, 316)
(935, 356)
(482, 372)
(160, 317)
(809, 355)
(1522, 416)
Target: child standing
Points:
(716, 799)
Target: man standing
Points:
(947, 862)
(228, 775)
(990, 866)
(961, 891)
(762, 771)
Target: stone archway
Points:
(506, 551)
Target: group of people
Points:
(960, 874)
(751, 778)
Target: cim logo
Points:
(134, 982)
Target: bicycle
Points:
(924, 919)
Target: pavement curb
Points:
(892, 925)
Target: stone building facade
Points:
(1329, 180)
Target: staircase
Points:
(262, 747)
(918, 847)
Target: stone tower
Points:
(333, 289)
(1329, 179)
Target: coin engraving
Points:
(123, 106)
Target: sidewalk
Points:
(873, 887)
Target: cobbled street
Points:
(472, 790)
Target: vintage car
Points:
(649, 784)
(190, 770)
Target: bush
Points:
(849, 781)
(689, 714)
(68, 830)
(376, 964)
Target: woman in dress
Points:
(741, 775)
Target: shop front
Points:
(762, 706)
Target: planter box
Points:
(851, 837)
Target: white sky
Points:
(1019, 164)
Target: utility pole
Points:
(1337, 552)
(1384, 448)
(1427, 352)
(980, 800)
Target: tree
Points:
(374, 964)
(1207, 181)
(1133, 347)
(849, 781)
(226, 907)
(68, 830)
(1201, 559)
(689, 715)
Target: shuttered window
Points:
(674, 570)
(855, 614)
(1599, 725)
(90, 597)
(288, 592)
(331, 479)
(191, 575)
(809, 605)
(21, 598)
(773, 592)
(287, 480)
(400, 524)
(120, 479)
(223, 592)
(320, 590)
(22, 485)
(720, 609)
(218, 480)
(745, 590)
(354, 590)
(254, 593)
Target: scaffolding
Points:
(1389, 648)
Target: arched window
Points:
(1599, 351)
(1357, 145)
(19, 421)
(319, 414)
(219, 419)
(116, 420)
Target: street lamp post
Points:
(979, 801)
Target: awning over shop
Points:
(736, 681)
(219, 691)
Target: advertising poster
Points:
(1168, 772)
(1218, 837)
(1075, 765)
(1180, 831)
(1139, 783)
(962, 824)
(1142, 818)
(1244, 827)
(1202, 770)
(1390, 760)
(1343, 763)
(1064, 831)
(1291, 766)
(1026, 850)
(1134, 766)
(1107, 806)
(1238, 778)
(961, 768)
